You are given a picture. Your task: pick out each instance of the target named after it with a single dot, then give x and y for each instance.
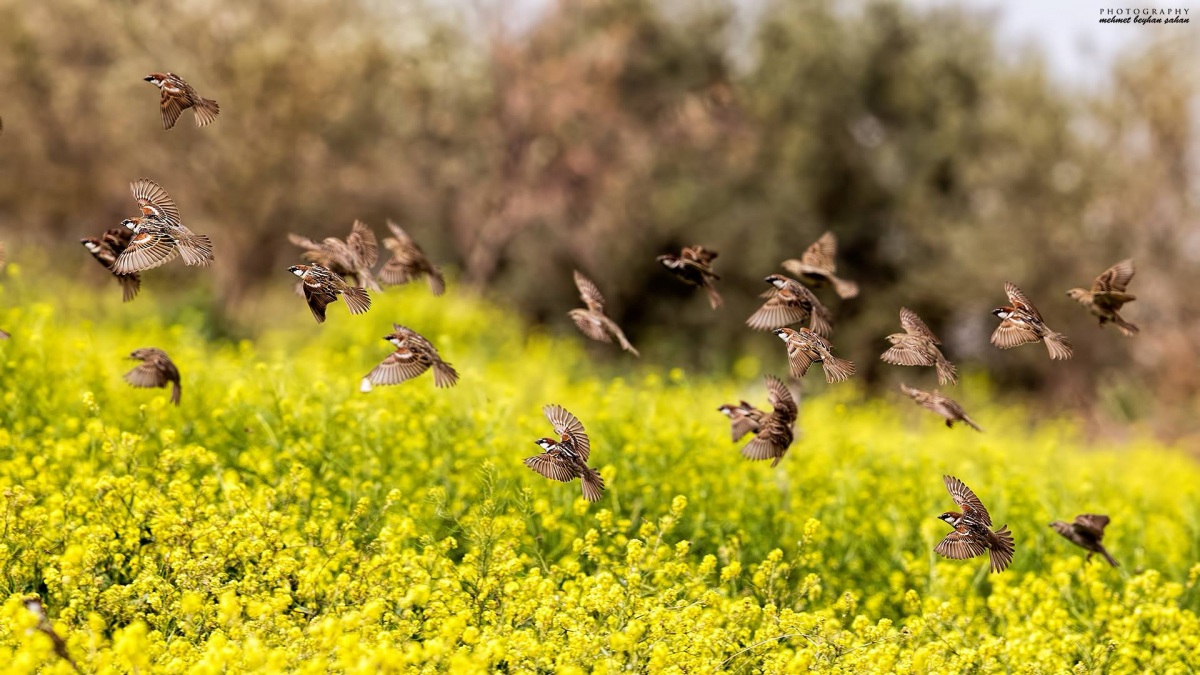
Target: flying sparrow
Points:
(156, 370)
(1108, 296)
(566, 458)
(34, 605)
(413, 356)
(106, 249)
(409, 262)
(352, 258)
(950, 410)
(743, 419)
(592, 321)
(775, 433)
(178, 96)
(322, 286)
(917, 346)
(1086, 532)
(804, 348)
(817, 266)
(971, 535)
(159, 235)
(790, 302)
(693, 266)
(1021, 323)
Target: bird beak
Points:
(148, 78)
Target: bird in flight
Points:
(1087, 531)
(743, 419)
(1108, 296)
(790, 302)
(566, 458)
(352, 258)
(1021, 323)
(804, 348)
(322, 286)
(156, 370)
(593, 322)
(178, 96)
(950, 410)
(409, 262)
(918, 346)
(106, 249)
(972, 535)
(158, 234)
(693, 266)
(413, 356)
(775, 433)
(817, 266)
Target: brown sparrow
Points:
(106, 249)
(178, 96)
(156, 370)
(775, 433)
(950, 410)
(693, 266)
(409, 262)
(321, 287)
(816, 266)
(592, 321)
(804, 348)
(972, 534)
(1087, 532)
(917, 346)
(352, 258)
(790, 302)
(159, 235)
(413, 356)
(566, 458)
(1108, 296)
(1021, 323)
(743, 419)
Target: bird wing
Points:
(363, 245)
(318, 298)
(799, 358)
(904, 353)
(1092, 524)
(781, 398)
(822, 253)
(1010, 334)
(171, 106)
(155, 201)
(399, 366)
(396, 272)
(966, 500)
(1020, 301)
(946, 407)
(589, 293)
(698, 254)
(776, 312)
(741, 425)
(589, 325)
(569, 428)
(1115, 278)
(146, 374)
(913, 325)
(959, 546)
(151, 247)
(303, 242)
(761, 446)
(551, 466)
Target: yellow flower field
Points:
(279, 520)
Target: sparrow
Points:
(178, 96)
(817, 266)
(413, 356)
(353, 257)
(409, 262)
(917, 346)
(156, 370)
(743, 419)
(566, 458)
(790, 302)
(159, 235)
(693, 266)
(972, 534)
(1108, 296)
(34, 604)
(1086, 531)
(106, 248)
(804, 348)
(775, 433)
(1021, 323)
(948, 409)
(322, 286)
(592, 321)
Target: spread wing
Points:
(303, 242)
(401, 365)
(363, 245)
(821, 253)
(155, 201)
(590, 325)
(913, 325)
(589, 293)
(781, 398)
(569, 428)
(551, 466)
(171, 105)
(761, 447)
(959, 546)
(318, 298)
(1008, 335)
(1092, 524)
(966, 500)
(1020, 301)
(146, 375)
(905, 353)
(150, 248)
(776, 312)
(742, 425)
(1115, 278)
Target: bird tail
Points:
(130, 285)
(437, 281)
(357, 299)
(1104, 552)
(624, 342)
(971, 423)
(1001, 550)
(946, 372)
(845, 289)
(176, 392)
(1058, 345)
(206, 111)
(714, 298)
(367, 280)
(837, 370)
(821, 322)
(444, 375)
(593, 484)
(196, 249)
(1127, 329)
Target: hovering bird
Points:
(693, 266)
(592, 321)
(156, 370)
(106, 249)
(804, 348)
(1021, 323)
(787, 303)
(566, 458)
(409, 262)
(743, 419)
(158, 235)
(350, 259)
(322, 286)
(413, 356)
(178, 96)
(971, 535)
(917, 346)
(1087, 531)
(775, 433)
(817, 265)
(34, 605)
(950, 410)
(1108, 296)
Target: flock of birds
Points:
(336, 268)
